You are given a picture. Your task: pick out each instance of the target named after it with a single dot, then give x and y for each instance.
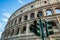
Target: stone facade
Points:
(18, 24)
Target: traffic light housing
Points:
(49, 28)
(34, 28)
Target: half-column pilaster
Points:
(22, 18)
(27, 28)
(28, 16)
(36, 14)
(44, 12)
(53, 11)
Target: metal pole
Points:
(46, 29)
(42, 30)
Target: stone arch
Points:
(12, 32)
(25, 17)
(17, 31)
(40, 13)
(8, 32)
(23, 29)
(54, 23)
(57, 10)
(15, 22)
(48, 12)
(30, 28)
(32, 15)
(19, 19)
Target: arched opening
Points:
(45, 1)
(48, 12)
(17, 30)
(31, 25)
(53, 22)
(57, 10)
(15, 22)
(25, 17)
(39, 14)
(23, 30)
(11, 23)
(8, 32)
(12, 32)
(32, 15)
(19, 20)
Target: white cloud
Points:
(20, 1)
(0, 24)
(0, 34)
(4, 19)
(7, 14)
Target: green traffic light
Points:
(49, 26)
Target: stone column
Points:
(22, 18)
(44, 12)
(36, 12)
(6, 33)
(28, 16)
(19, 30)
(53, 11)
(10, 33)
(27, 28)
(13, 22)
(58, 19)
(10, 24)
(14, 32)
(17, 20)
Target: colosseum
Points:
(17, 27)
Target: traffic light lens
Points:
(50, 27)
(35, 22)
(51, 32)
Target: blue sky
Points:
(7, 8)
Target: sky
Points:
(7, 8)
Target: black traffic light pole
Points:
(42, 30)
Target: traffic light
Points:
(34, 28)
(49, 27)
(37, 24)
